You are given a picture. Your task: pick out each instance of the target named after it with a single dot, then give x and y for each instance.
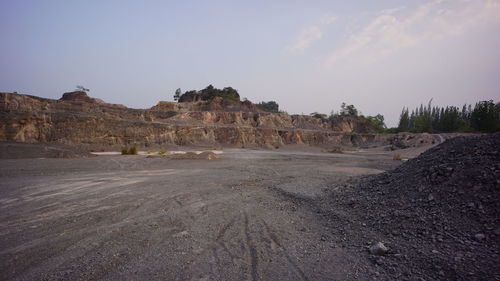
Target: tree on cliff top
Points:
(209, 93)
(81, 88)
(270, 106)
(348, 110)
(177, 94)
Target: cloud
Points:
(309, 34)
(304, 39)
(391, 30)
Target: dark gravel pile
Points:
(438, 214)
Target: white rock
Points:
(378, 249)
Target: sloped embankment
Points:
(437, 213)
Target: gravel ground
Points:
(250, 215)
(138, 218)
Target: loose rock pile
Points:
(438, 214)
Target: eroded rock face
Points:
(78, 118)
(217, 104)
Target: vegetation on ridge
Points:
(349, 110)
(207, 94)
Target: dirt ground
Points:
(245, 216)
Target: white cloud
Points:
(309, 34)
(304, 39)
(394, 29)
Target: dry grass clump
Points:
(130, 150)
(164, 152)
(334, 149)
(397, 156)
(194, 156)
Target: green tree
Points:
(270, 106)
(404, 121)
(348, 110)
(377, 122)
(177, 94)
(81, 88)
(450, 120)
(318, 115)
(485, 116)
(209, 93)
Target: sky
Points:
(309, 56)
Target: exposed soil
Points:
(253, 215)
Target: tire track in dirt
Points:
(274, 238)
(251, 250)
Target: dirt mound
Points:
(437, 213)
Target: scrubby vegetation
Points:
(130, 150)
(207, 94)
(270, 106)
(484, 117)
(349, 110)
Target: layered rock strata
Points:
(79, 119)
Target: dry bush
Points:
(164, 152)
(397, 156)
(133, 150)
(125, 150)
(130, 150)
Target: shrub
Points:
(125, 150)
(397, 156)
(163, 152)
(130, 150)
(270, 106)
(133, 150)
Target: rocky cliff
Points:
(79, 119)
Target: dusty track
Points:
(134, 218)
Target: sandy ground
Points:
(115, 217)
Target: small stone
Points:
(378, 249)
(435, 251)
(479, 236)
(430, 198)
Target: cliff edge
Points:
(77, 118)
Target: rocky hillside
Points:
(78, 118)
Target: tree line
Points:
(483, 117)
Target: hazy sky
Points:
(306, 55)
